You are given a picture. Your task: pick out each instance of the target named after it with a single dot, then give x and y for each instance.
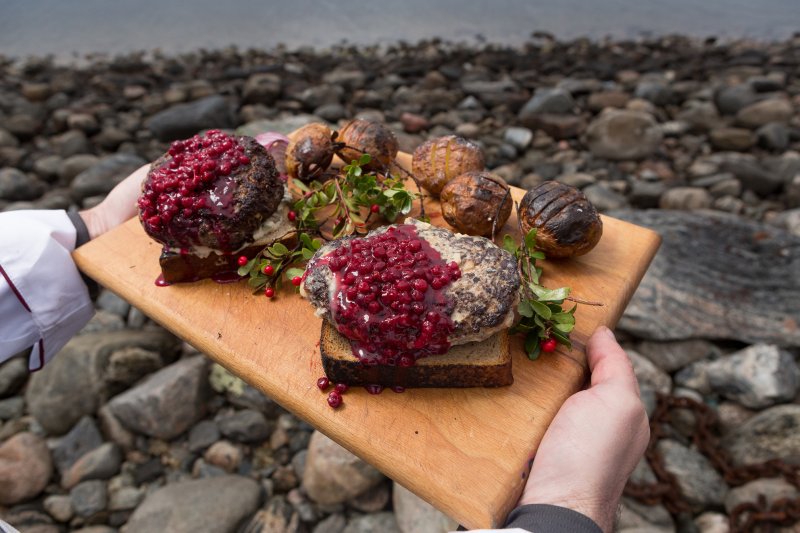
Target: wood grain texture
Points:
(466, 451)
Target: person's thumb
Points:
(608, 362)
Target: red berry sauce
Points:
(389, 297)
(193, 182)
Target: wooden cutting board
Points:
(466, 451)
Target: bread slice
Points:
(183, 266)
(477, 364)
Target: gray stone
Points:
(753, 175)
(216, 504)
(415, 515)
(278, 516)
(758, 376)
(773, 136)
(373, 500)
(109, 301)
(771, 488)
(695, 377)
(334, 523)
(347, 77)
(558, 126)
(656, 92)
(12, 407)
(696, 286)
(554, 101)
(101, 463)
(672, 356)
(168, 402)
(125, 498)
(59, 507)
(648, 374)
(604, 198)
(114, 430)
(251, 398)
(699, 483)
(331, 112)
(731, 415)
(25, 468)
(246, 425)
(224, 455)
(599, 101)
(84, 122)
(105, 175)
(69, 143)
(283, 125)
(334, 475)
(103, 322)
(739, 139)
(262, 88)
(13, 375)
(711, 522)
(491, 93)
(686, 199)
(126, 366)
(519, 138)
(73, 384)
(7, 139)
(184, 120)
(647, 194)
(577, 179)
(89, 498)
(15, 185)
(383, 522)
(635, 516)
(731, 99)
(700, 116)
(110, 138)
(74, 165)
(771, 434)
(766, 111)
(623, 134)
(47, 167)
(81, 439)
(202, 435)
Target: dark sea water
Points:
(73, 28)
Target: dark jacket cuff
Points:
(539, 517)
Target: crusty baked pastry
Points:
(211, 199)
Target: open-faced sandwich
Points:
(414, 305)
(210, 200)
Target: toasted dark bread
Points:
(478, 364)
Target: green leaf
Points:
(279, 249)
(525, 308)
(566, 328)
(562, 338)
(255, 282)
(537, 255)
(305, 239)
(316, 244)
(549, 295)
(307, 253)
(541, 309)
(293, 272)
(563, 317)
(364, 159)
(509, 245)
(530, 239)
(390, 192)
(243, 270)
(532, 347)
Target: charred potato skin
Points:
(471, 201)
(363, 136)
(437, 161)
(567, 223)
(310, 152)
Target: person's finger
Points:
(608, 362)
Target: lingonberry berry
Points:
(549, 345)
(269, 292)
(374, 208)
(334, 399)
(296, 281)
(242, 260)
(292, 216)
(323, 383)
(269, 270)
(341, 388)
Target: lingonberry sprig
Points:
(544, 321)
(350, 198)
(277, 263)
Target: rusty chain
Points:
(745, 517)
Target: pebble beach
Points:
(698, 139)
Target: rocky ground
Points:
(129, 429)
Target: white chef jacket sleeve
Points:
(43, 300)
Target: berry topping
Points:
(296, 281)
(341, 388)
(389, 296)
(323, 383)
(292, 216)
